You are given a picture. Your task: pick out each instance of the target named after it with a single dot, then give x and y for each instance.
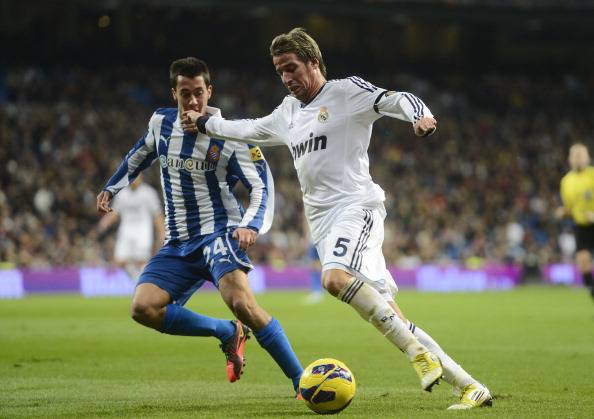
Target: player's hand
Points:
(188, 121)
(245, 236)
(425, 126)
(104, 202)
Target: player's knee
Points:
(334, 281)
(144, 313)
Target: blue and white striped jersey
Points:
(197, 176)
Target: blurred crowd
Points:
(482, 189)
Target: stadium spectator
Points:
(60, 130)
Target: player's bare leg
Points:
(148, 305)
(372, 307)
(234, 289)
(583, 259)
(237, 294)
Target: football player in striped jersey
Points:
(327, 125)
(207, 230)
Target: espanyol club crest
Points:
(214, 153)
(163, 161)
(323, 114)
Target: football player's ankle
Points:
(414, 348)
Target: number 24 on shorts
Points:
(218, 247)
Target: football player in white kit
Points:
(327, 126)
(140, 214)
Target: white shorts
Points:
(132, 248)
(354, 244)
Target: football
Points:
(327, 386)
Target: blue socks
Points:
(183, 322)
(315, 278)
(272, 338)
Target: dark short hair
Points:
(188, 67)
(299, 42)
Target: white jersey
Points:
(137, 209)
(328, 138)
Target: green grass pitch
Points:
(66, 356)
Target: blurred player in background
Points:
(577, 194)
(138, 209)
(327, 126)
(207, 231)
(315, 276)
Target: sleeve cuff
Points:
(377, 99)
(201, 123)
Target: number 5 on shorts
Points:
(340, 246)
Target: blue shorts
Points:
(182, 275)
(312, 252)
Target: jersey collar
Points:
(304, 104)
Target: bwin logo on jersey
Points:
(309, 145)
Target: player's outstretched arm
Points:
(260, 131)
(141, 156)
(407, 107)
(370, 103)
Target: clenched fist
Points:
(425, 126)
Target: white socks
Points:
(410, 339)
(453, 373)
(373, 308)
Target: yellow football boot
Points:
(473, 395)
(428, 368)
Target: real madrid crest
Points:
(323, 115)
